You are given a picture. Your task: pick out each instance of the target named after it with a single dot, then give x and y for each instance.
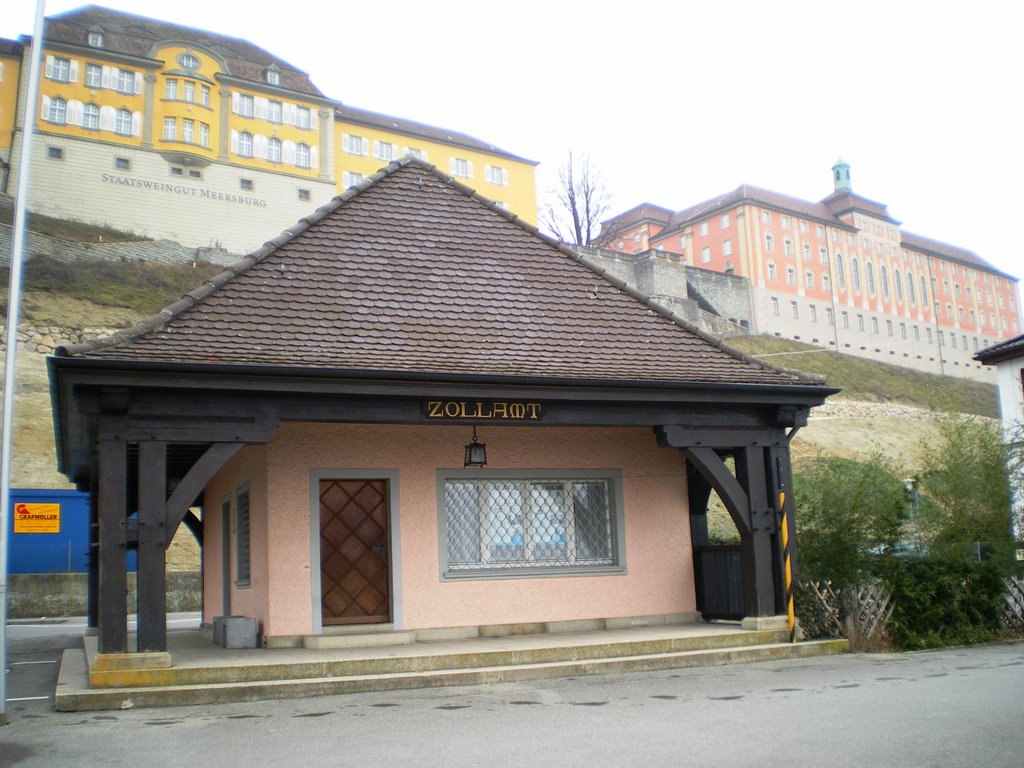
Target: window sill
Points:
(560, 572)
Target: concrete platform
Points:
(204, 673)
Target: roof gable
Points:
(414, 273)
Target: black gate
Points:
(719, 582)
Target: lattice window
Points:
(508, 525)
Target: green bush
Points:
(940, 601)
(965, 492)
(849, 513)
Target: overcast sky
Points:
(676, 103)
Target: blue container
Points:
(66, 551)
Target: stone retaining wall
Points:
(44, 339)
(162, 251)
(35, 595)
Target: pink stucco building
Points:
(320, 400)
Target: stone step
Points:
(359, 660)
(75, 697)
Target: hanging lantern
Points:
(476, 453)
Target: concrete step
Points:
(354, 640)
(73, 693)
(373, 659)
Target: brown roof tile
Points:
(750, 194)
(1005, 350)
(422, 130)
(950, 252)
(413, 272)
(136, 35)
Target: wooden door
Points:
(354, 551)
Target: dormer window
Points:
(95, 39)
(273, 77)
(188, 61)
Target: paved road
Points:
(34, 648)
(960, 707)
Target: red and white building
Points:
(840, 273)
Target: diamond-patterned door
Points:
(354, 551)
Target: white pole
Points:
(13, 318)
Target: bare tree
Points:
(575, 207)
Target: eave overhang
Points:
(307, 394)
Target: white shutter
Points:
(288, 152)
(138, 83)
(291, 114)
(469, 169)
(259, 145)
(451, 165)
(504, 176)
(376, 150)
(45, 114)
(234, 105)
(261, 107)
(75, 111)
(366, 146)
(49, 66)
(108, 118)
(73, 71)
(312, 158)
(107, 78)
(136, 123)
(234, 141)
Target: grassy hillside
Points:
(69, 230)
(868, 380)
(102, 292)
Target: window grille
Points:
(510, 525)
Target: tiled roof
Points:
(1006, 350)
(951, 252)
(415, 273)
(422, 130)
(642, 212)
(10, 47)
(136, 35)
(750, 194)
(843, 201)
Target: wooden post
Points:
(758, 550)
(151, 588)
(113, 578)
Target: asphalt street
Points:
(950, 708)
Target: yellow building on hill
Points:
(178, 133)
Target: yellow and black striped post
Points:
(787, 567)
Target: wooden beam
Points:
(783, 462)
(216, 456)
(698, 491)
(113, 579)
(151, 586)
(728, 488)
(720, 437)
(759, 550)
